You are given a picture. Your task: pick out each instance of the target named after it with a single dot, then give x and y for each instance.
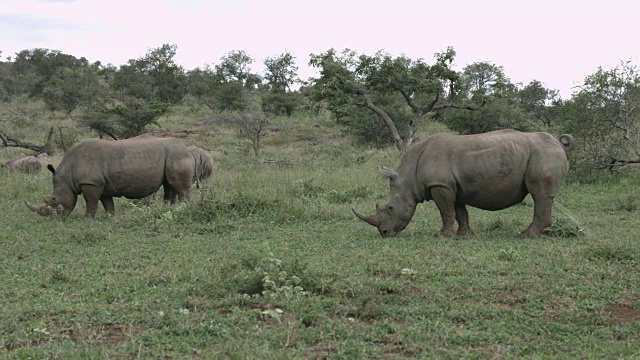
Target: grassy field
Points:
(268, 262)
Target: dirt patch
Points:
(103, 335)
(398, 350)
(320, 352)
(509, 299)
(552, 312)
(489, 351)
(32, 343)
(623, 311)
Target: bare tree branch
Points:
(397, 139)
(9, 141)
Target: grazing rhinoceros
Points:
(490, 171)
(203, 169)
(27, 164)
(133, 168)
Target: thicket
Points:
(378, 99)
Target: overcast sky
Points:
(557, 42)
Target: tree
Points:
(125, 118)
(34, 68)
(539, 102)
(228, 85)
(71, 88)
(251, 123)
(485, 85)
(605, 115)
(7, 82)
(201, 83)
(280, 75)
(153, 77)
(235, 66)
(349, 79)
(140, 92)
(281, 72)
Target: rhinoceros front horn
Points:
(44, 210)
(366, 218)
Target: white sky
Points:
(557, 42)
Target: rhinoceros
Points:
(490, 171)
(202, 170)
(133, 168)
(27, 164)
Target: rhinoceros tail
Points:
(567, 142)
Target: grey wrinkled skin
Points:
(133, 168)
(490, 171)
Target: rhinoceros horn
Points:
(44, 210)
(367, 218)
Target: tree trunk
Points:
(397, 139)
(47, 148)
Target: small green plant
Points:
(308, 189)
(277, 282)
(58, 276)
(508, 254)
(270, 277)
(565, 229)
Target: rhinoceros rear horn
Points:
(43, 210)
(369, 219)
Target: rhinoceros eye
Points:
(389, 207)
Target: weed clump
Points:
(611, 253)
(564, 229)
(273, 278)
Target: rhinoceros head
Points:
(395, 215)
(387, 219)
(62, 195)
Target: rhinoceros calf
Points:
(133, 168)
(203, 169)
(27, 164)
(490, 171)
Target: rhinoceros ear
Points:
(388, 173)
(51, 168)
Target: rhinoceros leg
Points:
(91, 195)
(541, 216)
(108, 204)
(181, 189)
(445, 201)
(462, 217)
(170, 194)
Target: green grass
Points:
(268, 262)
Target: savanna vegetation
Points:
(266, 261)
